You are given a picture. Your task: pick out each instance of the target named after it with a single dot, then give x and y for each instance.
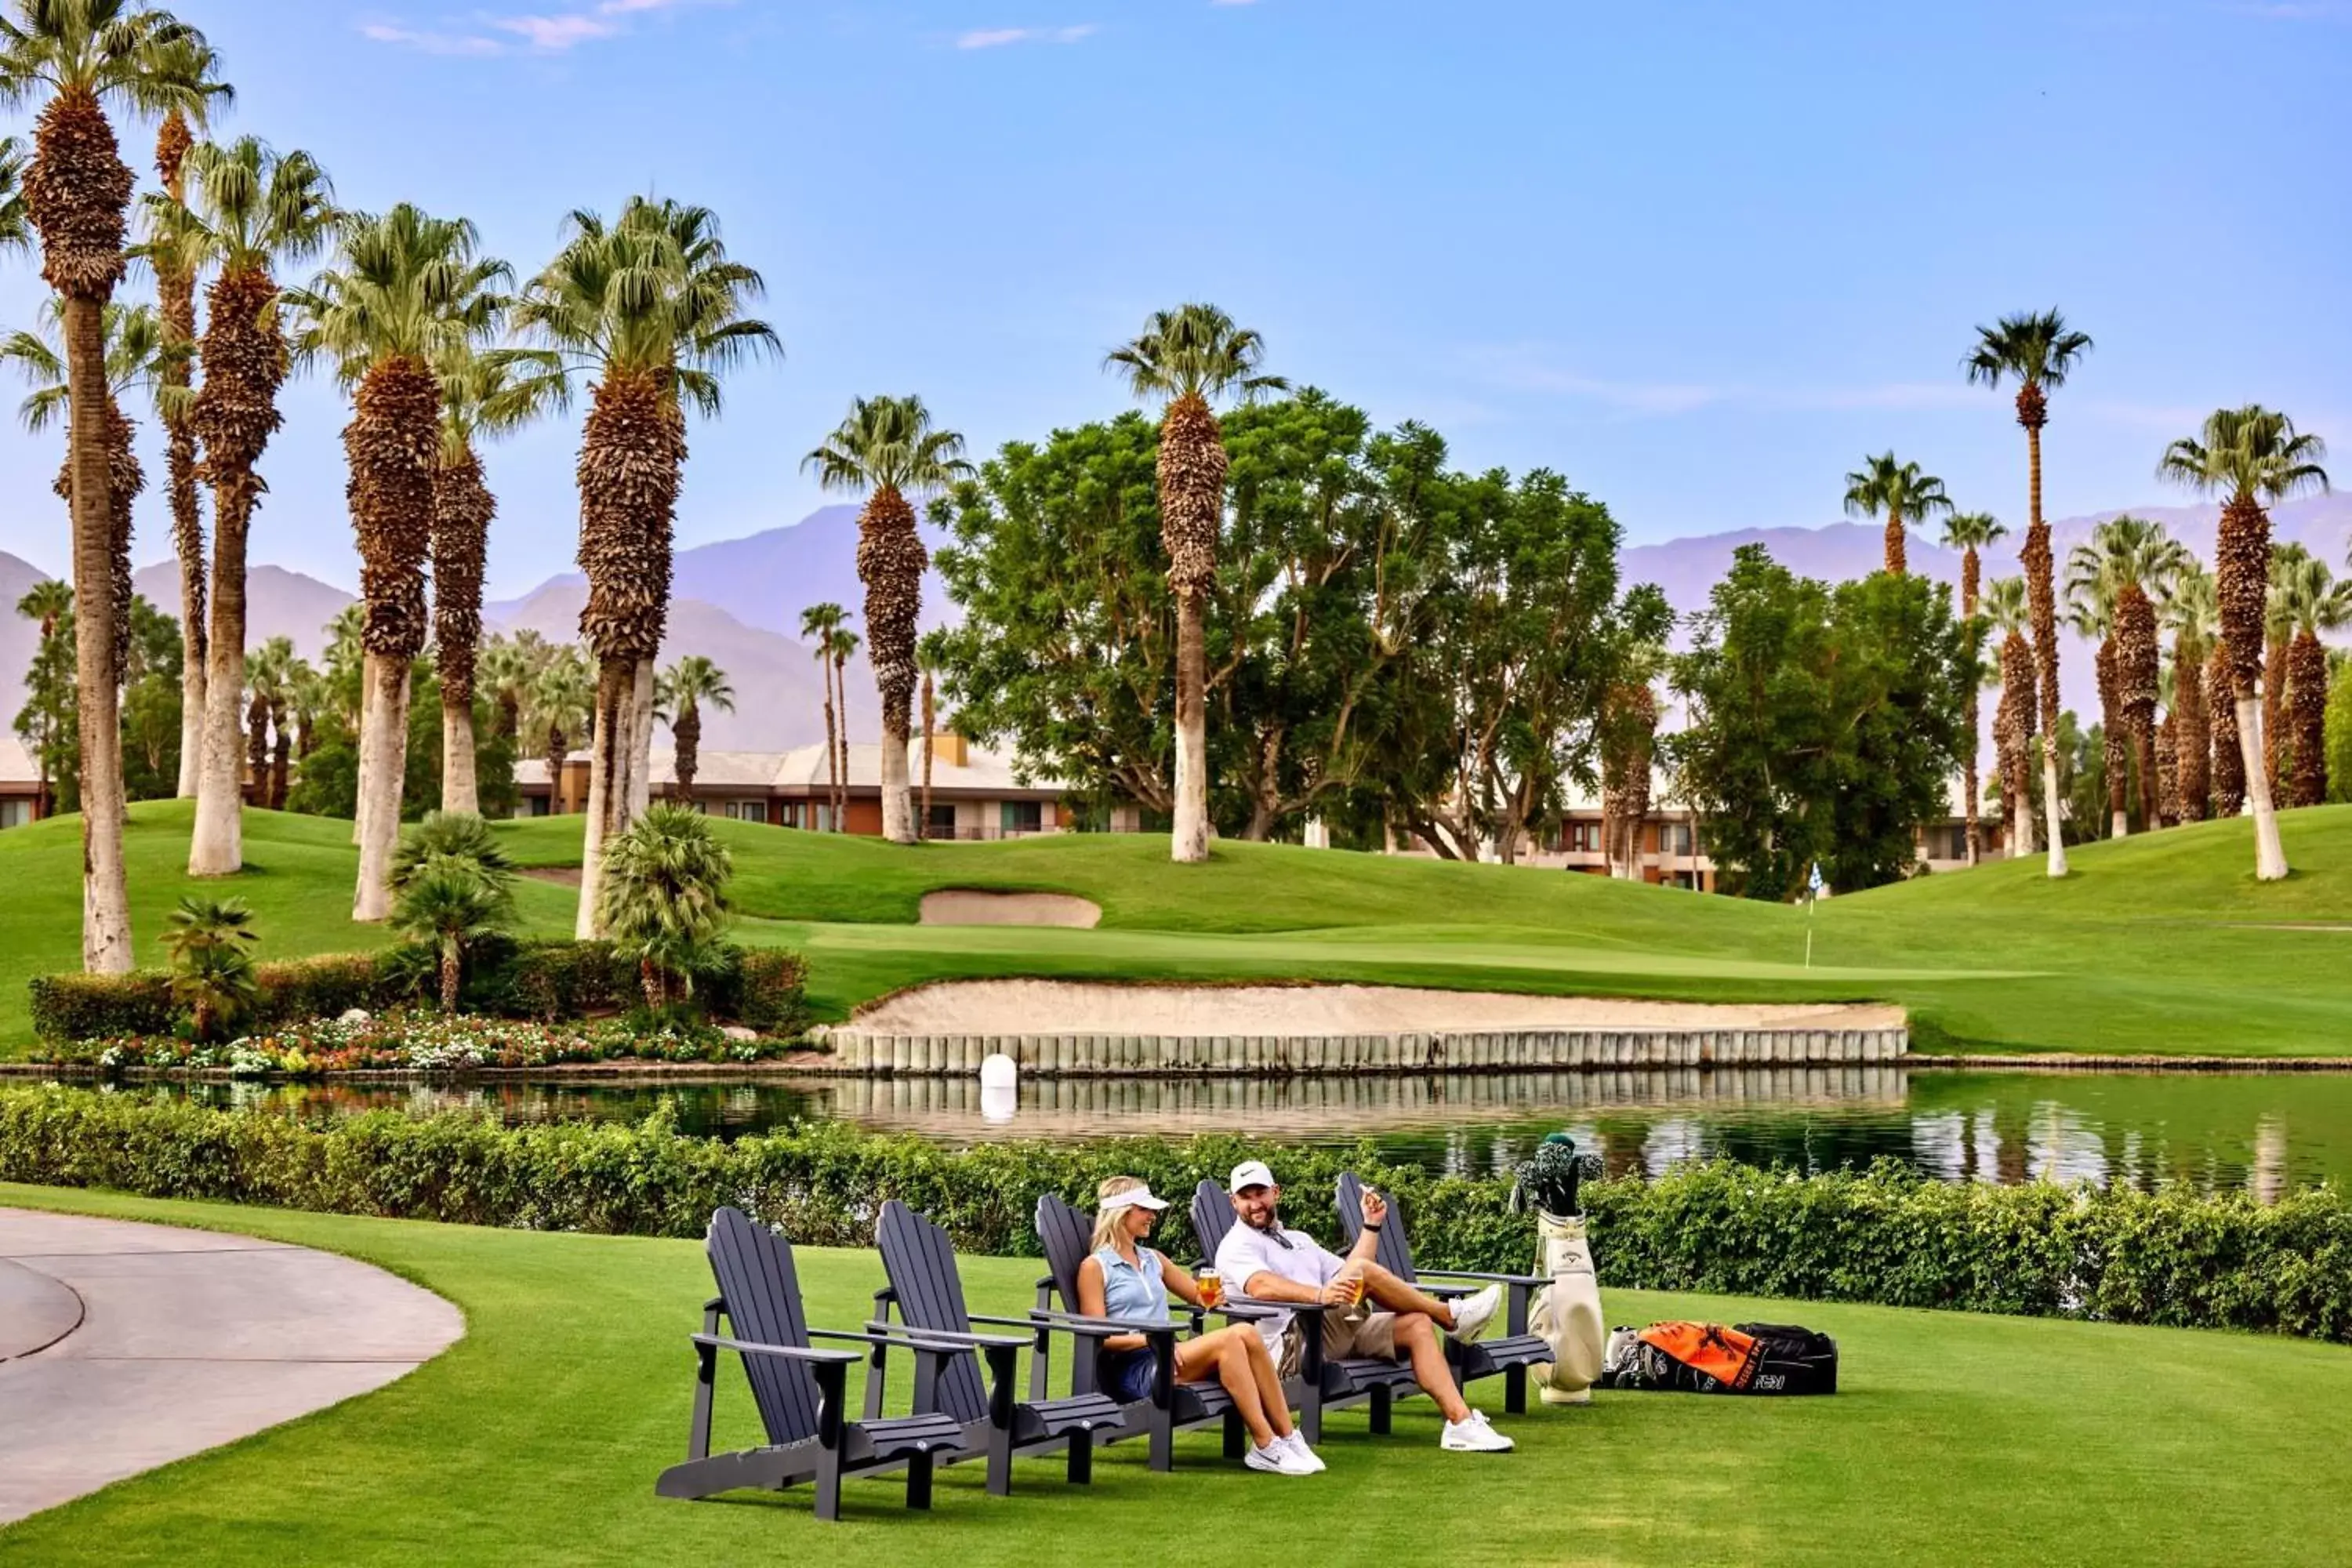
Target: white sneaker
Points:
(1297, 1444)
(1471, 1434)
(1275, 1459)
(1473, 1313)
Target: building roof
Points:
(803, 770)
(19, 774)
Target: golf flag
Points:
(1813, 886)
(1813, 883)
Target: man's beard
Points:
(1271, 1222)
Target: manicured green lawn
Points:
(1956, 1439)
(2162, 944)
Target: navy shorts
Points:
(1128, 1375)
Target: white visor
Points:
(1134, 1197)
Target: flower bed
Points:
(411, 1043)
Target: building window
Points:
(748, 810)
(940, 821)
(1020, 816)
(1580, 838)
(1674, 838)
(15, 812)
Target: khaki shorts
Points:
(1359, 1334)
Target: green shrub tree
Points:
(663, 900)
(211, 945)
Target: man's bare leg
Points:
(1391, 1294)
(1417, 1341)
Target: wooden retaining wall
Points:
(864, 1051)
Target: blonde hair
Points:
(1108, 1219)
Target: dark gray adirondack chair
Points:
(928, 1294)
(1322, 1384)
(1174, 1406)
(1511, 1354)
(800, 1391)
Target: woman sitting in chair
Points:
(1124, 1278)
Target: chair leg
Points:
(1236, 1436)
(1082, 1458)
(828, 1484)
(999, 1461)
(1310, 1416)
(919, 1481)
(1164, 1439)
(1514, 1391)
(1382, 1401)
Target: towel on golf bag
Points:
(1709, 1358)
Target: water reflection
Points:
(2266, 1135)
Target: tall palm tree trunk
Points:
(256, 747)
(392, 442)
(841, 699)
(2275, 687)
(1192, 472)
(2042, 602)
(2151, 792)
(2241, 583)
(930, 747)
(175, 293)
(832, 756)
(632, 451)
(2113, 754)
(1969, 573)
(236, 414)
(2192, 783)
(1898, 557)
(281, 756)
(891, 562)
(2167, 770)
(686, 739)
(76, 191)
(2229, 758)
(463, 509)
(558, 749)
(2306, 685)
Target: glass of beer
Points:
(1354, 1285)
(1212, 1288)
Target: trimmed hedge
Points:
(1886, 1236)
(547, 981)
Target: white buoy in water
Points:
(1000, 1089)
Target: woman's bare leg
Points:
(1223, 1353)
(1270, 1393)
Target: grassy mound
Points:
(536, 1439)
(2162, 944)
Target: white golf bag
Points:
(1567, 1312)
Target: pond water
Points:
(2263, 1132)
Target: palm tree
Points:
(649, 308)
(819, 626)
(2007, 612)
(927, 657)
(561, 696)
(483, 395)
(1971, 533)
(2038, 352)
(664, 897)
(1901, 493)
(77, 57)
(843, 645)
(2278, 631)
(2133, 558)
(2190, 614)
(1190, 356)
(456, 885)
(2251, 455)
(270, 676)
(2314, 602)
(251, 210)
(15, 225)
(47, 601)
(505, 670)
(133, 349)
(193, 61)
(406, 288)
(210, 943)
(2090, 612)
(886, 448)
(681, 691)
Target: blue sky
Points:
(1701, 259)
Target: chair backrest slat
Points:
(920, 1261)
(1068, 1234)
(753, 1267)
(1395, 1252)
(1212, 1215)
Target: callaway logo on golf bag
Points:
(1707, 1358)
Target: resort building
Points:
(20, 783)
(974, 795)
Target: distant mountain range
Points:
(739, 600)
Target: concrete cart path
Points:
(126, 1346)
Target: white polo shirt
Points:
(1245, 1252)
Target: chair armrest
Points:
(715, 1304)
(1251, 1312)
(955, 1336)
(1265, 1308)
(1082, 1322)
(1531, 1279)
(794, 1353)
(896, 1335)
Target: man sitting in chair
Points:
(1375, 1314)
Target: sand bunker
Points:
(970, 907)
(1068, 1007)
